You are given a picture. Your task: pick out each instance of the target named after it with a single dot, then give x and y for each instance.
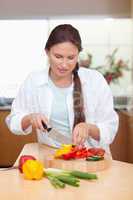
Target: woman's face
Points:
(63, 58)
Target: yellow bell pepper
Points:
(65, 148)
(33, 169)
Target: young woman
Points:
(76, 101)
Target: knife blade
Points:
(56, 135)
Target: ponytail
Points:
(78, 102)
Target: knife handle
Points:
(45, 126)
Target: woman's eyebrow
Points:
(57, 54)
(71, 55)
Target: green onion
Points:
(70, 180)
(59, 177)
(56, 182)
(83, 175)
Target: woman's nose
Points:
(64, 62)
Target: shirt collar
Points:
(44, 77)
(82, 73)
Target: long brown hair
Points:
(67, 33)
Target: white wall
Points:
(100, 37)
(22, 47)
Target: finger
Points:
(78, 140)
(40, 126)
(82, 142)
(32, 121)
(32, 118)
(75, 135)
(39, 119)
(45, 119)
(34, 124)
(35, 121)
(80, 146)
(80, 136)
(81, 139)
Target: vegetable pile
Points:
(33, 169)
(68, 152)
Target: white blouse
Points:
(35, 95)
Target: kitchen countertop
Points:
(5, 107)
(8, 107)
(113, 183)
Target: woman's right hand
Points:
(35, 120)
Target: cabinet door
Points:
(10, 144)
(130, 138)
(119, 146)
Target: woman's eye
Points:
(71, 57)
(57, 56)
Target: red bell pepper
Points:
(23, 159)
(79, 153)
(97, 151)
(69, 156)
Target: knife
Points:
(56, 135)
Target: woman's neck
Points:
(61, 81)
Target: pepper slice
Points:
(97, 151)
(68, 152)
(95, 158)
(69, 156)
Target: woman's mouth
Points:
(62, 70)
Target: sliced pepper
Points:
(69, 156)
(95, 158)
(97, 151)
(63, 150)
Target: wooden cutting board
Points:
(47, 157)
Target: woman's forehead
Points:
(64, 47)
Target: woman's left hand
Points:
(81, 133)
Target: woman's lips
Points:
(62, 70)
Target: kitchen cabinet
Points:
(10, 144)
(119, 145)
(130, 137)
(122, 147)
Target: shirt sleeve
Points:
(106, 119)
(21, 107)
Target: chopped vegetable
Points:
(68, 156)
(95, 158)
(63, 150)
(97, 151)
(68, 152)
